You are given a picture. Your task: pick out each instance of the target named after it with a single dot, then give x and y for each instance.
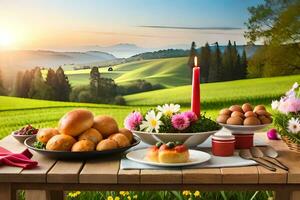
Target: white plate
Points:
(196, 157)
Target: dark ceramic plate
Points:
(77, 155)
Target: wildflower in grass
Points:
(129, 197)
(275, 105)
(294, 125)
(133, 120)
(117, 198)
(186, 193)
(135, 196)
(110, 198)
(152, 122)
(169, 109)
(180, 122)
(197, 193)
(74, 194)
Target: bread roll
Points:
(127, 133)
(45, 134)
(75, 122)
(178, 154)
(60, 143)
(83, 145)
(106, 125)
(107, 144)
(121, 139)
(92, 135)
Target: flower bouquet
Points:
(287, 117)
(166, 123)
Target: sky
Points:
(75, 24)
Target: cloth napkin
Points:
(17, 159)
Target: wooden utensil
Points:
(246, 154)
(270, 152)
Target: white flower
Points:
(169, 109)
(294, 125)
(152, 122)
(275, 105)
(295, 86)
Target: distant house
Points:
(110, 69)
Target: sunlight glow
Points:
(7, 38)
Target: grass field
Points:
(168, 72)
(216, 95)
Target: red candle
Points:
(195, 104)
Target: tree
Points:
(244, 65)
(95, 81)
(64, 88)
(205, 62)
(18, 85)
(227, 64)
(26, 83)
(276, 23)
(2, 89)
(39, 89)
(51, 80)
(236, 70)
(193, 53)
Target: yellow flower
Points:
(190, 198)
(74, 194)
(197, 193)
(110, 198)
(186, 192)
(122, 193)
(129, 198)
(117, 198)
(135, 196)
(127, 193)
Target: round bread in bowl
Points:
(121, 139)
(83, 145)
(178, 154)
(60, 143)
(107, 144)
(127, 133)
(45, 134)
(92, 135)
(75, 122)
(106, 125)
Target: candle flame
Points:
(195, 61)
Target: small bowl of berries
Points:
(24, 133)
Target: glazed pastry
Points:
(45, 134)
(83, 145)
(60, 143)
(169, 153)
(107, 144)
(106, 125)
(127, 133)
(92, 135)
(121, 139)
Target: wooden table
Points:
(52, 177)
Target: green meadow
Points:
(169, 72)
(17, 112)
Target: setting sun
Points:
(7, 38)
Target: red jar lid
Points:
(223, 137)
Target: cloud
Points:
(124, 34)
(192, 28)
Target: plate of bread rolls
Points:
(80, 135)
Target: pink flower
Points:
(191, 116)
(133, 120)
(180, 121)
(291, 104)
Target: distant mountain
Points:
(13, 61)
(122, 50)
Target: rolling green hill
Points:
(168, 72)
(216, 95)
